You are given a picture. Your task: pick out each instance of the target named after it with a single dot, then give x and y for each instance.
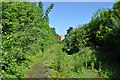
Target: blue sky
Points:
(71, 14)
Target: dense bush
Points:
(101, 34)
(25, 33)
(73, 66)
(75, 40)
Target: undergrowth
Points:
(79, 65)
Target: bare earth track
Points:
(40, 70)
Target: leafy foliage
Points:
(101, 34)
(25, 33)
(75, 40)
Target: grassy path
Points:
(41, 66)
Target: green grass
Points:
(61, 65)
(39, 58)
(34, 60)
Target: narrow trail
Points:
(42, 67)
(39, 70)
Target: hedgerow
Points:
(25, 32)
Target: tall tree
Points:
(69, 30)
(47, 11)
(41, 8)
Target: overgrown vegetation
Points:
(25, 32)
(73, 66)
(101, 36)
(86, 51)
